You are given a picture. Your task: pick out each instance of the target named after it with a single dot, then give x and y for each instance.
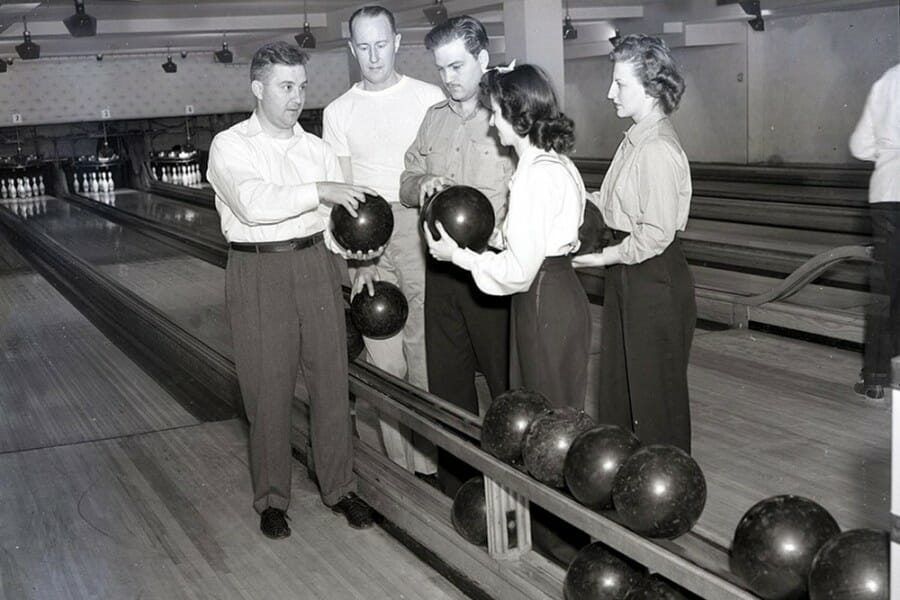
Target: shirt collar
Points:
(639, 131)
(254, 127)
(453, 105)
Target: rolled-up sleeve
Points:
(414, 167)
(238, 183)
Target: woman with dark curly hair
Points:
(550, 311)
(649, 312)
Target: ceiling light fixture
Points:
(436, 14)
(81, 24)
(305, 39)
(569, 31)
(224, 55)
(28, 50)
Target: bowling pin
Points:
(3, 192)
(101, 185)
(41, 187)
(20, 188)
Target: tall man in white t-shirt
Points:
(370, 127)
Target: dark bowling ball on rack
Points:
(506, 421)
(852, 566)
(659, 492)
(598, 573)
(369, 230)
(593, 461)
(469, 512)
(548, 440)
(775, 542)
(465, 213)
(381, 315)
(355, 343)
(655, 588)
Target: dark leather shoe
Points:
(273, 523)
(359, 515)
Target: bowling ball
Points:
(465, 213)
(775, 542)
(655, 588)
(852, 566)
(469, 512)
(593, 461)
(659, 492)
(355, 344)
(506, 421)
(381, 315)
(548, 440)
(369, 230)
(598, 573)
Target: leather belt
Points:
(284, 246)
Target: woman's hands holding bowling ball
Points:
(365, 278)
(443, 248)
(332, 193)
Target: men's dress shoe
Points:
(359, 515)
(273, 523)
(871, 391)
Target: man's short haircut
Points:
(464, 28)
(275, 53)
(373, 11)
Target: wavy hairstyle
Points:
(465, 28)
(275, 53)
(654, 66)
(528, 102)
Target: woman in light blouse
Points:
(550, 311)
(649, 310)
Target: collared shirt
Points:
(877, 137)
(646, 191)
(463, 148)
(373, 128)
(265, 186)
(546, 204)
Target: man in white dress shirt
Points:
(275, 186)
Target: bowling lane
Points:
(202, 223)
(61, 380)
(188, 290)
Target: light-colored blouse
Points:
(646, 191)
(546, 206)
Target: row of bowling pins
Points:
(179, 174)
(22, 187)
(92, 183)
(26, 207)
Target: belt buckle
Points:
(294, 244)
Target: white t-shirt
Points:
(375, 128)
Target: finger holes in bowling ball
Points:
(382, 314)
(465, 213)
(369, 230)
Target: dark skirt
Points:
(649, 315)
(551, 335)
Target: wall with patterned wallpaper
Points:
(69, 90)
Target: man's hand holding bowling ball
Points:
(443, 248)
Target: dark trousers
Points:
(649, 315)
(287, 312)
(465, 330)
(883, 317)
(551, 325)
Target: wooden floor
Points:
(109, 489)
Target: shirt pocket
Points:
(488, 167)
(436, 155)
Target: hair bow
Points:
(503, 70)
